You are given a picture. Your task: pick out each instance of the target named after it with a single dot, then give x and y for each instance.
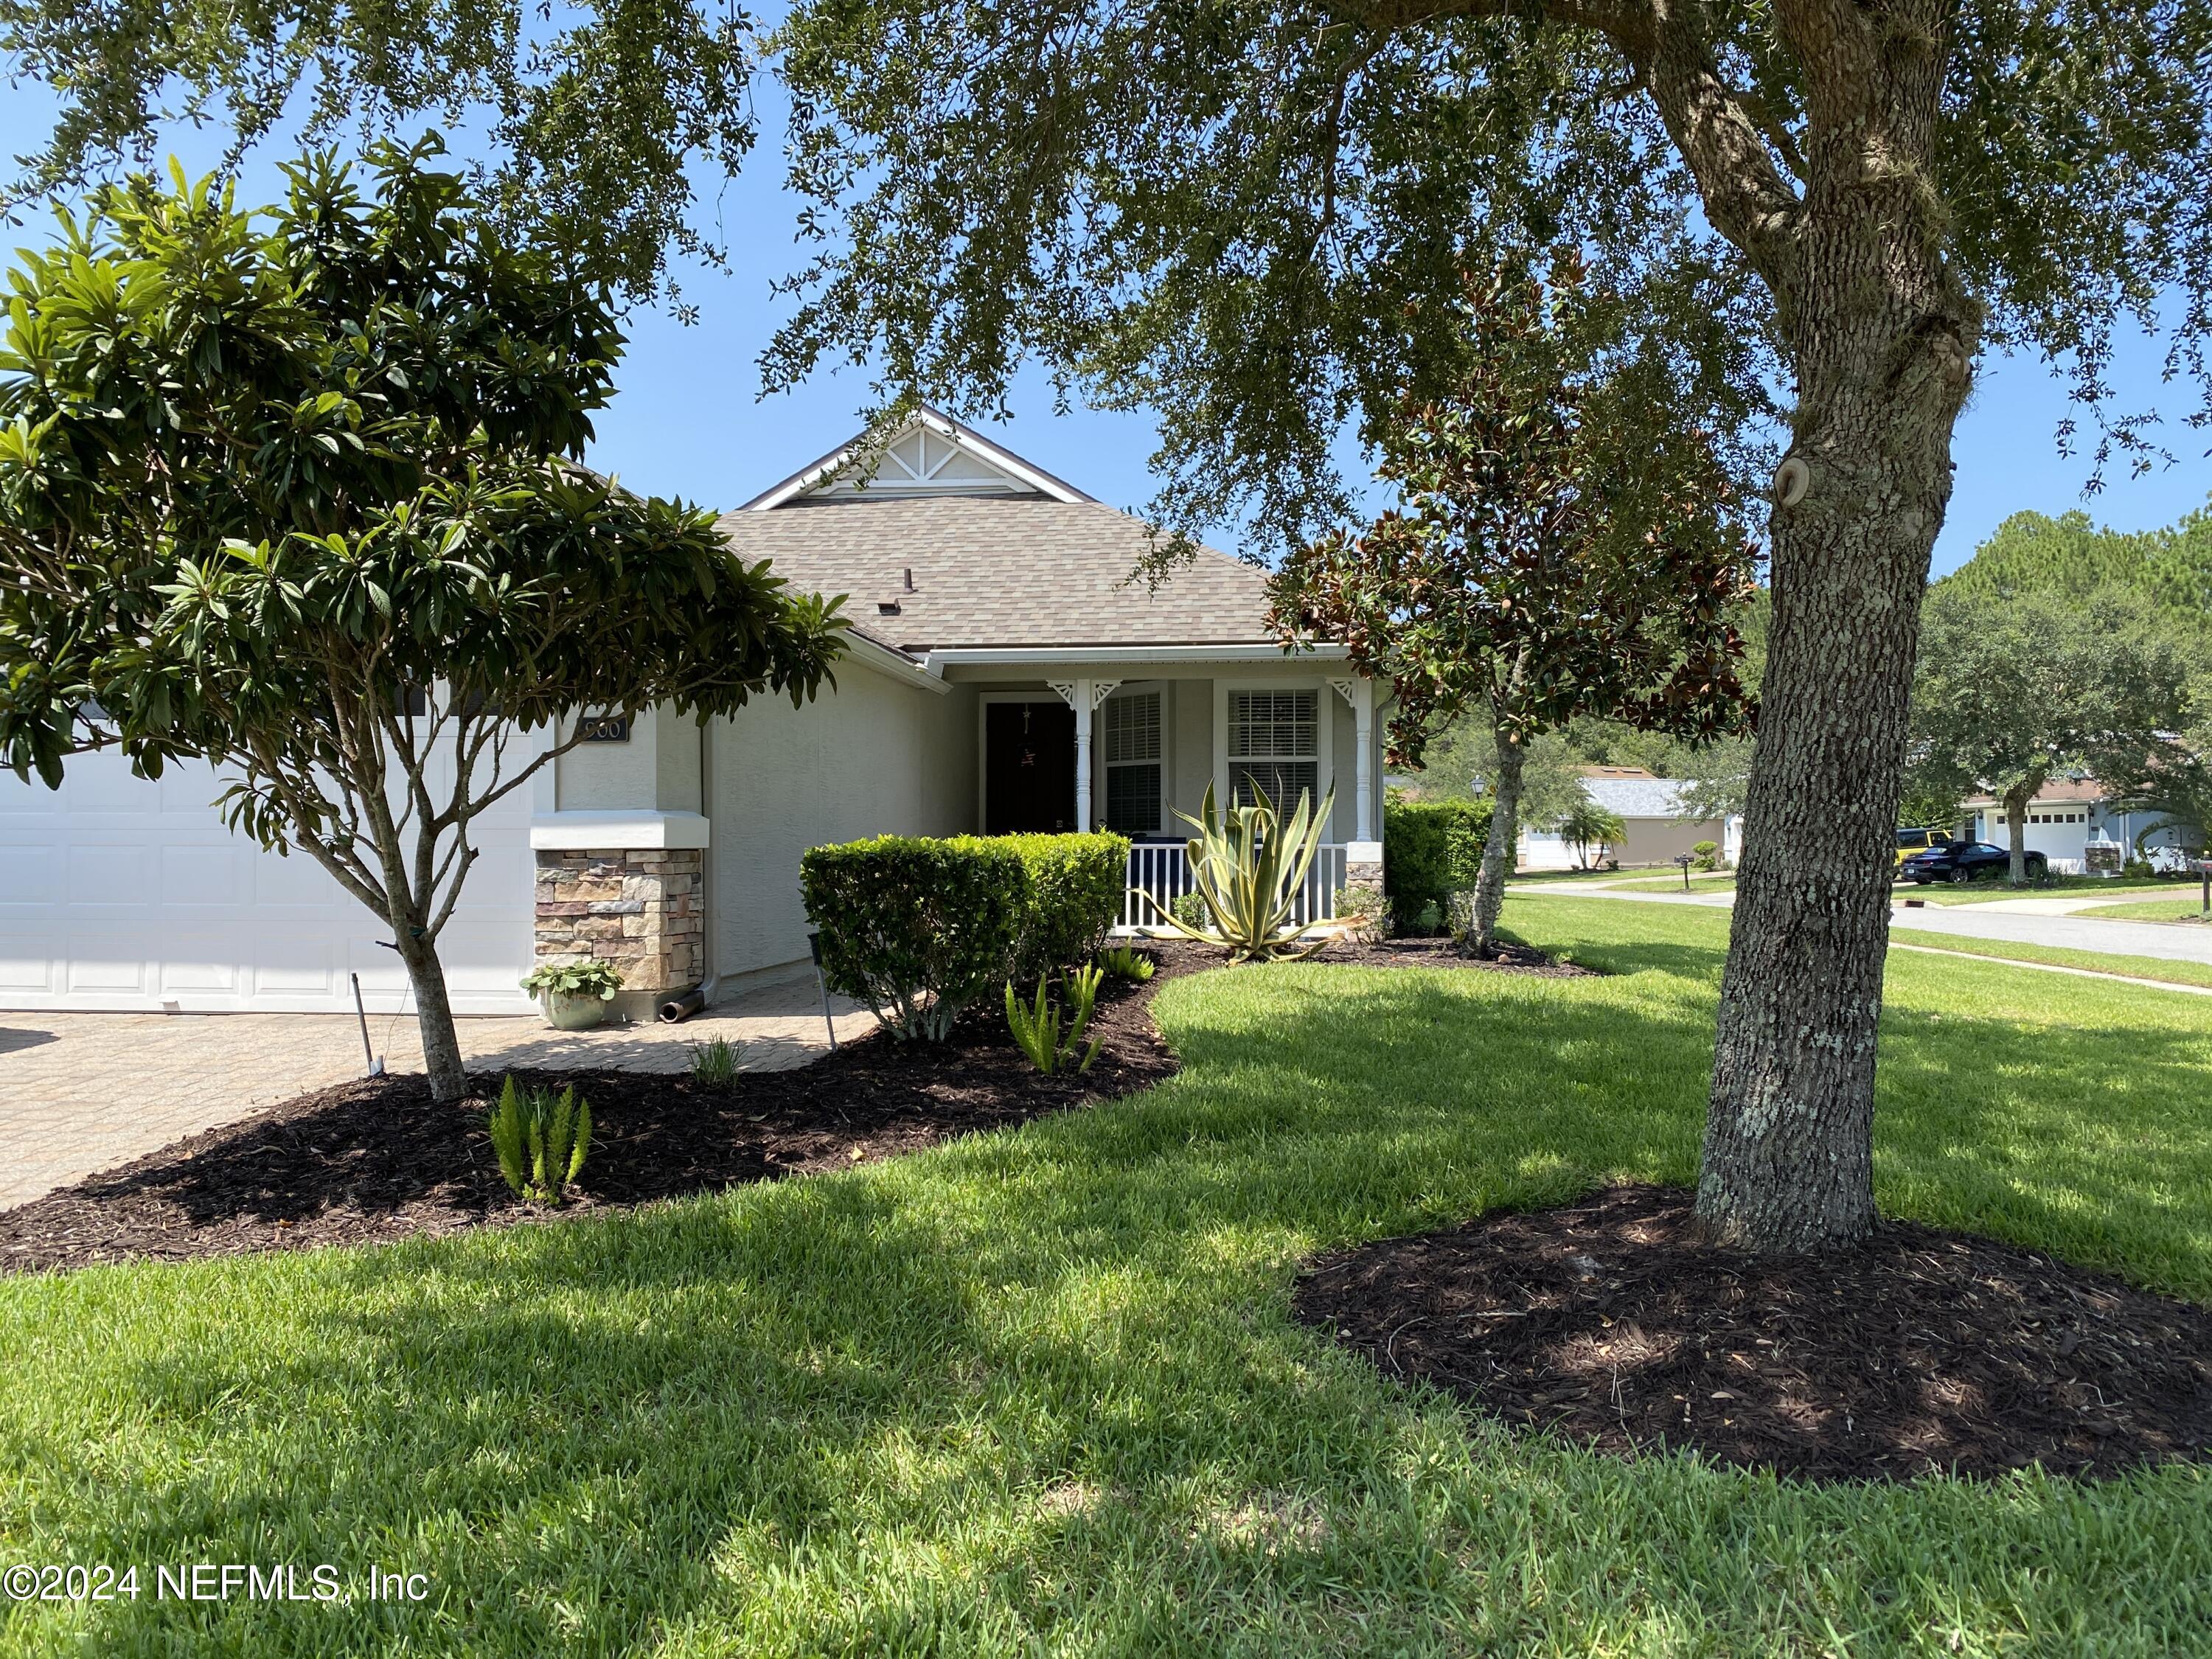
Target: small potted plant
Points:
(573, 994)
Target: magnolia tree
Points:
(1537, 571)
(293, 495)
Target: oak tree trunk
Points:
(2016, 805)
(1500, 851)
(1882, 340)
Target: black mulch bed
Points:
(1610, 1320)
(378, 1159)
(1508, 958)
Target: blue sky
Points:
(689, 420)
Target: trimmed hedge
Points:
(918, 929)
(921, 929)
(1076, 885)
(1430, 850)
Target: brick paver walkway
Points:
(79, 1093)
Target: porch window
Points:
(1275, 740)
(1132, 763)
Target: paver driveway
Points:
(79, 1093)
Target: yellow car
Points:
(1910, 842)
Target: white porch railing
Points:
(1162, 869)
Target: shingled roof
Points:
(992, 563)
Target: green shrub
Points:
(1190, 910)
(1430, 850)
(917, 929)
(1077, 884)
(1050, 1035)
(587, 978)
(540, 1138)
(1705, 855)
(1126, 962)
(715, 1062)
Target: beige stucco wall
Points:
(609, 776)
(876, 756)
(1658, 841)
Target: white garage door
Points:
(119, 894)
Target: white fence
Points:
(1161, 870)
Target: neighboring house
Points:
(1004, 674)
(2066, 815)
(1650, 806)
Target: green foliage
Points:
(540, 1140)
(1430, 850)
(714, 1062)
(1589, 829)
(2012, 690)
(589, 978)
(1249, 868)
(1567, 542)
(918, 929)
(295, 494)
(1074, 181)
(1049, 1033)
(1126, 962)
(1704, 855)
(1076, 886)
(2033, 554)
(1462, 760)
(1190, 910)
(597, 119)
(1929, 804)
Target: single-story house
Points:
(2065, 816)
(1004, 674)
(1652, 807)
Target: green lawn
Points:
(1037, 1391)
(2175, 907)
(1723, 882)
(2103, 962)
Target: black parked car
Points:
(1966, 861)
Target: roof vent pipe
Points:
(909, 579)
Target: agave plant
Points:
(1050, 1035)
(1249, 868)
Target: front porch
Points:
(1132, 743)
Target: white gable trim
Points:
(1013, 472)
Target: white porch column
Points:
(1363, 728)
(1081, 700)
(1084, 696)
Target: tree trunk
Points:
(434, 1014)
(1500, 852)
(2016, 805)
(1882, 340)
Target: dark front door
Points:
(1029, 767)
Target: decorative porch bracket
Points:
(1358, 694)
(1084, 696)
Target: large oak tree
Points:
(1229, 208)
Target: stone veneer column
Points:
(636, 908)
